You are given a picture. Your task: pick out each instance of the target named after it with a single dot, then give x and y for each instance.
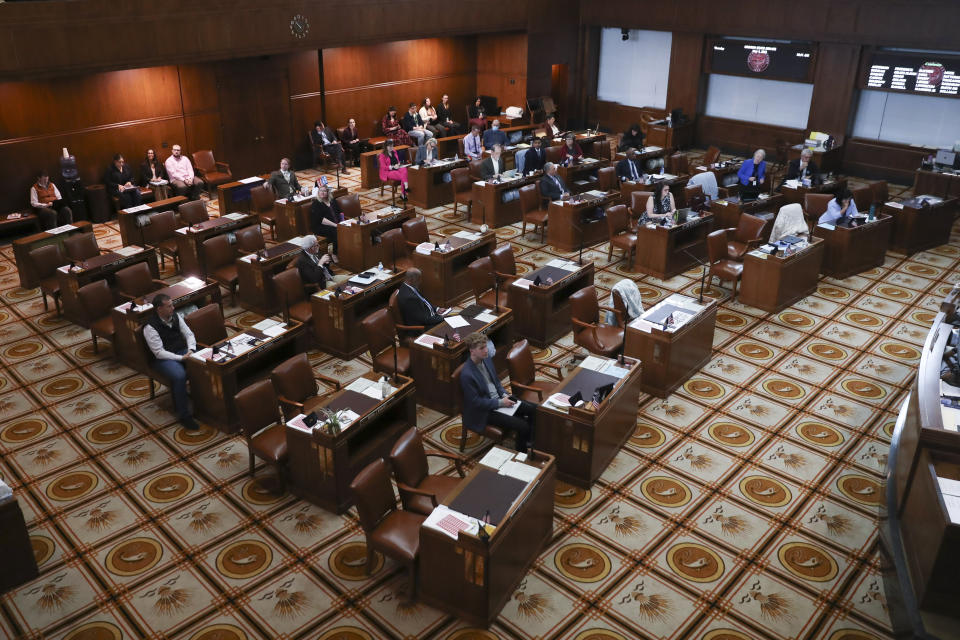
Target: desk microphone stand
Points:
(703, 274)
(496, 293)
(338, 177)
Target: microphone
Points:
(496, 292)
(703, 275)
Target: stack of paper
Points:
(192, 282)
(425, 248)
(466, 235)
(235, 216)
(142, 207)
(428, 341)
(456, 321)
(559, 401)
(523, 283)
(250, 180)
(131, 250)
(486, 316)
(496, 458)
(450, 522)
(275, 330)
(61, 229)
(519, 470)
(298, 424)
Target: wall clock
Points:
(299, 26)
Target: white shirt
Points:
(35, 201)
(156, 344)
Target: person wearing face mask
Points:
(494, 135)
(283, 181)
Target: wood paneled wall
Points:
(502, 68)
(743, 138)
(617, 117)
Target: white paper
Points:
(428, 341)
(192, 282)
(202, 355)
(142, 207)
(456, 321)
(650, 148)
(953, 508)
(508, 411)
(440, 512)
(425, 248)
(61, 229)
(263, 325)
(131, 250)
(496, 458)
(641, 325)
(357, 279)
(251, 180)
(593, 363)
(949, 486)
(895, 205)
(519, 470)
(182, 230)
(827, 226)
(275, 330)
(466, 235)
(950, 416)
(247, 258)
(793, 184)
(236, 216)
(523, 283)
(359, 385)
(486, 316)
(617, 372)
(702, 168)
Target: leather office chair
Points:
(814, 206)
(531, 210)
(293, 297)
(263, 429)
(712, 156)
(721, 265)
(474, 168)
(83, 246)
(350, 205)
(462, 187)
(678, 164)
(505, 263)
(250, 240)
(261, 205)
(863, 197)
(695, 198)
(136, 281)
(552, 154)
(380, 332)
(407, 332)
(220, 257)
(320, 157)
(483, 281)
(747, 235)
(420, 491)
(45, 261)
(638, 203)
(607, 179)
(387, 529)
(213, 173)
(208, 325)
(622, 234)
(161, 235)
(97, 302)
(395, 249)
(193, 212)
(880, 192)
(389, 182)
(294, 380)
(596, 337)
(490, 432)
(415, 232)
(523, 374)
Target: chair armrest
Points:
(412, 245)
(418, 492)
(327, 380)
(754, 243)
(506, 277)
(159, 283)
(125, 297)
(287, 401)
(555, 367)
(457, 461)
(230, 325)
(520, 385)
(223, 166)
(105, 251)
(409, 327)
(583, 325)
(616, 312)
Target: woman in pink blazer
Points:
(390, 168)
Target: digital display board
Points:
(761, 58)
(926, 74)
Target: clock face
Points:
(299, 26)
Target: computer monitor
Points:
(945, 157)
(749, 192)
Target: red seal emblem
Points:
(758, 61)
(932, 72)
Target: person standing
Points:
(754, 170)
(283, 181)
(47, 203)
(180, 171)
(171, 341)
(534, 158)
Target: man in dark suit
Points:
(312, 266)
(494, 135)
(493, 165)
(632, 138)
(628, 169)
(551, 185)
(414, 308)
(325, 137)
(803, 168)
(283, 181)
(535, 157)
(483, 395)
(120, 185)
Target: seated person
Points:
(390, 124)
(789, 222)
(325, 215)
(413, 124)
(478, 115)
(352, 142)
(632, 138)
(754, 170)
(493, 167)
(414, 308)
(171, 341)
(430, 119)
(842, 206)
(660, 205)
(391, 169)
(181, 175)
(494, 135)
(570, 151)
(483, 395)
(472, 144)
(427, 154)
(803, 168)
(550, 126)
(324, 137)
(445, 116)
(152, 170)
(551, 185)
(627, 169)
(119, 180)
(283, 181)
(706, 181)
(535, 157)
(47, 203)
(314, 269)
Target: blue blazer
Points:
(746, 171)
(477, 402)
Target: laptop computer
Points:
(682, 215)
(749, 192)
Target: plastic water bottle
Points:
(663, 169)
(379, 266)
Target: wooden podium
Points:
(255, 290)
(850, 250)
(190, 240)
(918, 226)
(358, 245)
(488, 205)
(569, 229)
(542, 313)
(664, 252)
(773, 283)
(445, 275)
(101, 267)
(427, 188)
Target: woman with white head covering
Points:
(632, 301)
(789, 221)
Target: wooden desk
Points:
(850, 250)
(797, 194)
(255, 277)
(583, 439)
(773, 283)
(725, 172)
(129, 346)
(542, 314)
(593, 144)
(234, 197)
(96, 268)
(727, 211)
(370, 169)
(650, 152)
(25, 219)
(432, 368)
(473, 579)
(488, 205)
(336, 319)
(130, 233)
(679, 136)
(214, 385)
(825, 160)
(293, 216)
(582, 171)
(19, 564)
(671, 356)
(355, 239)
(445, 275)
(664, 252)
(322, 465)
(23, 246)
(190, 240)
(677, 186)
(568, 230)
(427, 188)
(944, 185)
(916, 227)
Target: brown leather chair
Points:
(261, 205)
(294, 380)
(622, 234)
(193, 212)
(220, 258)
(380, 332)
(415, 232)
(490, 432)
(250, 240)
(721, 265)
(880, 192)
(505, 262)
(638, 203)
(863, 197)
(747, 235)
(210, 171)
(420, 492)
(814, 206)
(208, 325)
(45, 261)
(462, 187)
(263, 429)
(475, 169)
(136, 281)
(552, 153)
(531, 210)
(396, 250)
(82, 246)
(678, 164)
(161, 235)
(387, 529)
(483, 282)
(596, 337)
(407, 332)
(293, 297)
(350, 205)
(607, 179)
(320, 157)
(97, 302)
(523, 374)
(712, 156)
(695, 198)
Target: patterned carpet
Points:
(744, 506)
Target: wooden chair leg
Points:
(252, 460)
(455, 204)
(95, 349)
(370, 557)
(45, 307)
(56, 302)
(523, 229)
(163, 261)
(153, 389)
(463, 438)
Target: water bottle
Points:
(669, 121)
(384, 387)
(663, 169)
(873, 212)
(379, 266)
